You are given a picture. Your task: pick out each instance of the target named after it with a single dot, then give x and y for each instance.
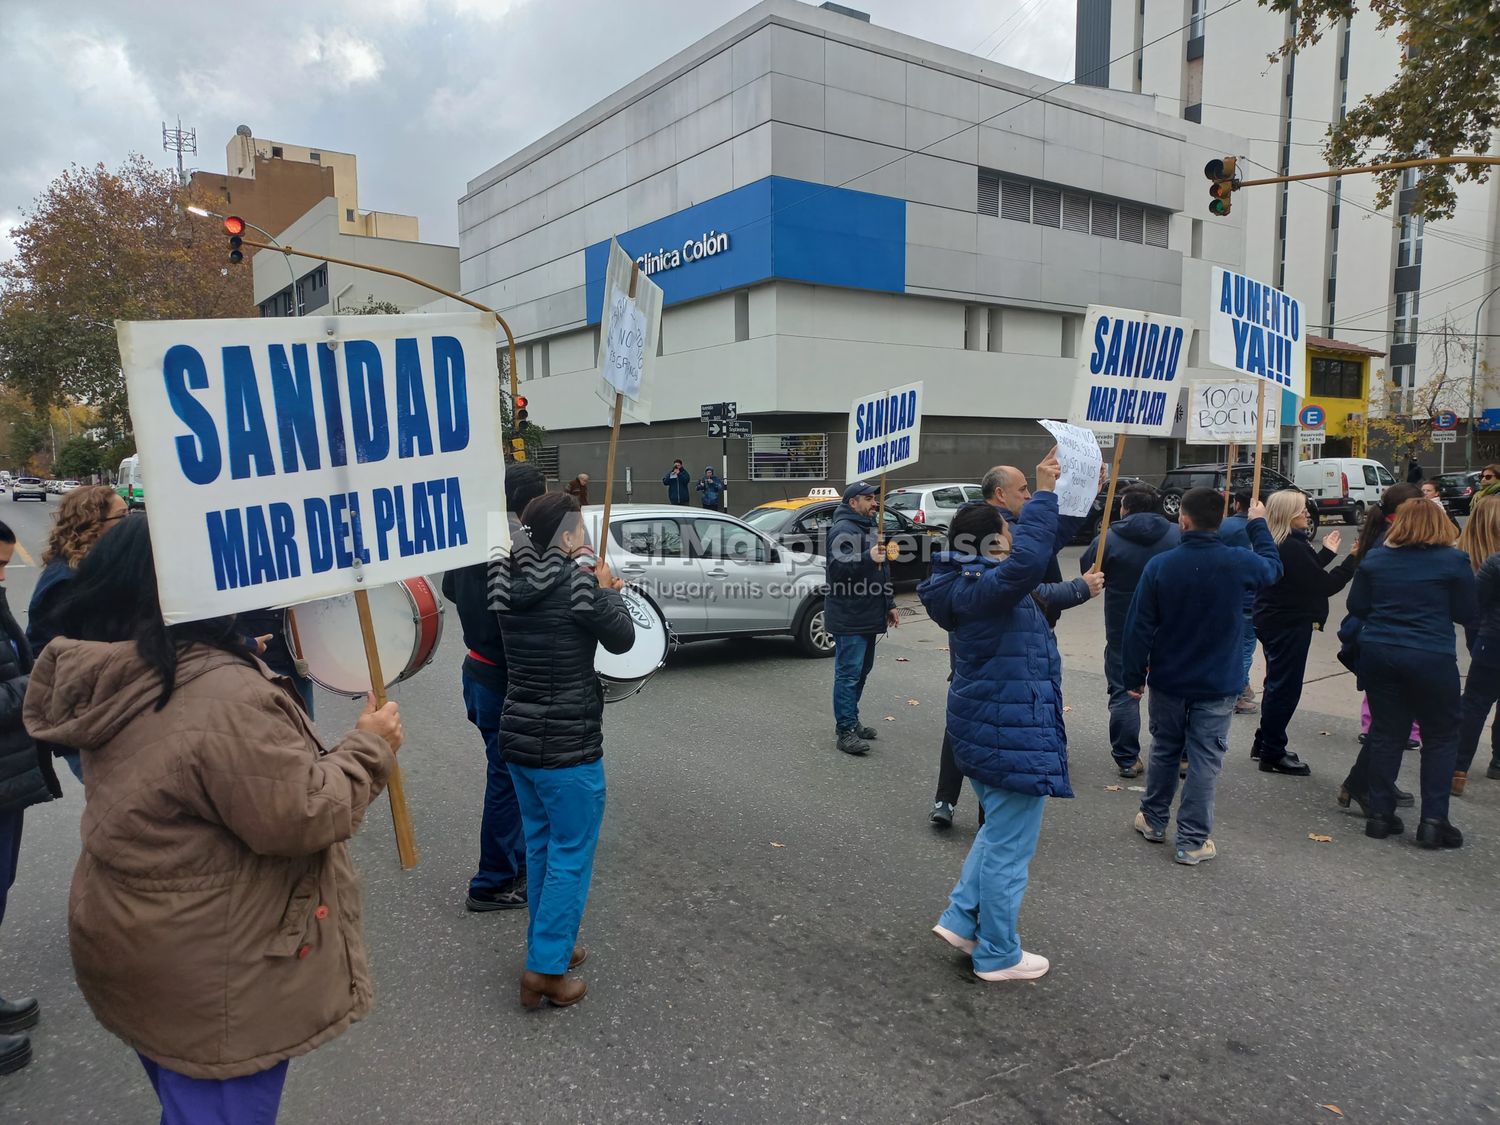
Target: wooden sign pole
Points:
(1234, 452)
(406, 841)
(614, 444)
(1260, 436)
(1109, 502)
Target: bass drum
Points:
(623, 674)
(325, 635)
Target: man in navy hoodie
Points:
(859, 607)
(1133, 541)
(1182, 637)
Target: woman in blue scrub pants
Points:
(555, 608)
(1004, 715)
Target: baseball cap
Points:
(860, 488)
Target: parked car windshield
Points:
(768, 519)
(904, 501)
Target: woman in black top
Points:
(1285, 616)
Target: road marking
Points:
(25, 554)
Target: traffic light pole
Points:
(1356, 169)
(517, 451)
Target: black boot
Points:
(1438, 834)
(1378, 827)
(15, 1052)
(18, 1015)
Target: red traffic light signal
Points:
(234, 226)
(522, 415)
(1225, 183)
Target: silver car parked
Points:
(714, 576)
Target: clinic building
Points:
(832, 208)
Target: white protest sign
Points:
(628, 330)
(1129, 381)
(1257, 329)
(1078, 453)
(885, 431)
(302, 457)
(1222, 412)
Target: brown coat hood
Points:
(215, 918)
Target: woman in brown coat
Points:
(215, 916)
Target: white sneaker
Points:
(963, 945)
(1029, 967)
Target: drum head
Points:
(333, 645)
(652, 639)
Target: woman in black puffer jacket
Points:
(555, 608)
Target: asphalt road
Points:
(759, 932)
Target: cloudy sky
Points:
(428, 93)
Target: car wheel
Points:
(1312, 518)
(813, 637)
(1171, 504)
(1358, 515)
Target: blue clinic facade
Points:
(775, 229)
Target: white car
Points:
(714, 576)
(933, 504)
(29, 488)
(67, 486)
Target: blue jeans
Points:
(75, 763)
(1404, 685)
(562, 810)
(10, 852)
(250, 1100)
(1481, 690)
(986, 901)
(1198, 730)
(1247, 638)
(1124, 710)
(502, 840)
(853, 657)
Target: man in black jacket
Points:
(1133, 541)
(26, 778)
(500, 882)
(859, 607)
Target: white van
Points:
(1344, 486)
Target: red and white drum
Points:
(408, 620)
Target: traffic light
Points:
(1224, 184)
(234, 226)
(522, 415)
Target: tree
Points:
(371, 307)
(1401, 418)
(1445, 99)
(79, 457)
(96, 246)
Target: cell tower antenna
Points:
(179, 140)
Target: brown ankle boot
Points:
(559, 988)
(580, 955)
(1460, 780)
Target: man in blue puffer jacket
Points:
(858, 608)
(1182, 637)
(1005, 715)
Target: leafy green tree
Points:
(370, 307)
(80, 457)
(1444, 100)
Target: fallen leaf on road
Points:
(1333, 1109)
(1114, 788)
(942, 648)
(903, 660)
(1066, 709)
(914, 703)
(776, 845)
(1323, 733)
(1136, 788)
(890, 718)
(1317, 839)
